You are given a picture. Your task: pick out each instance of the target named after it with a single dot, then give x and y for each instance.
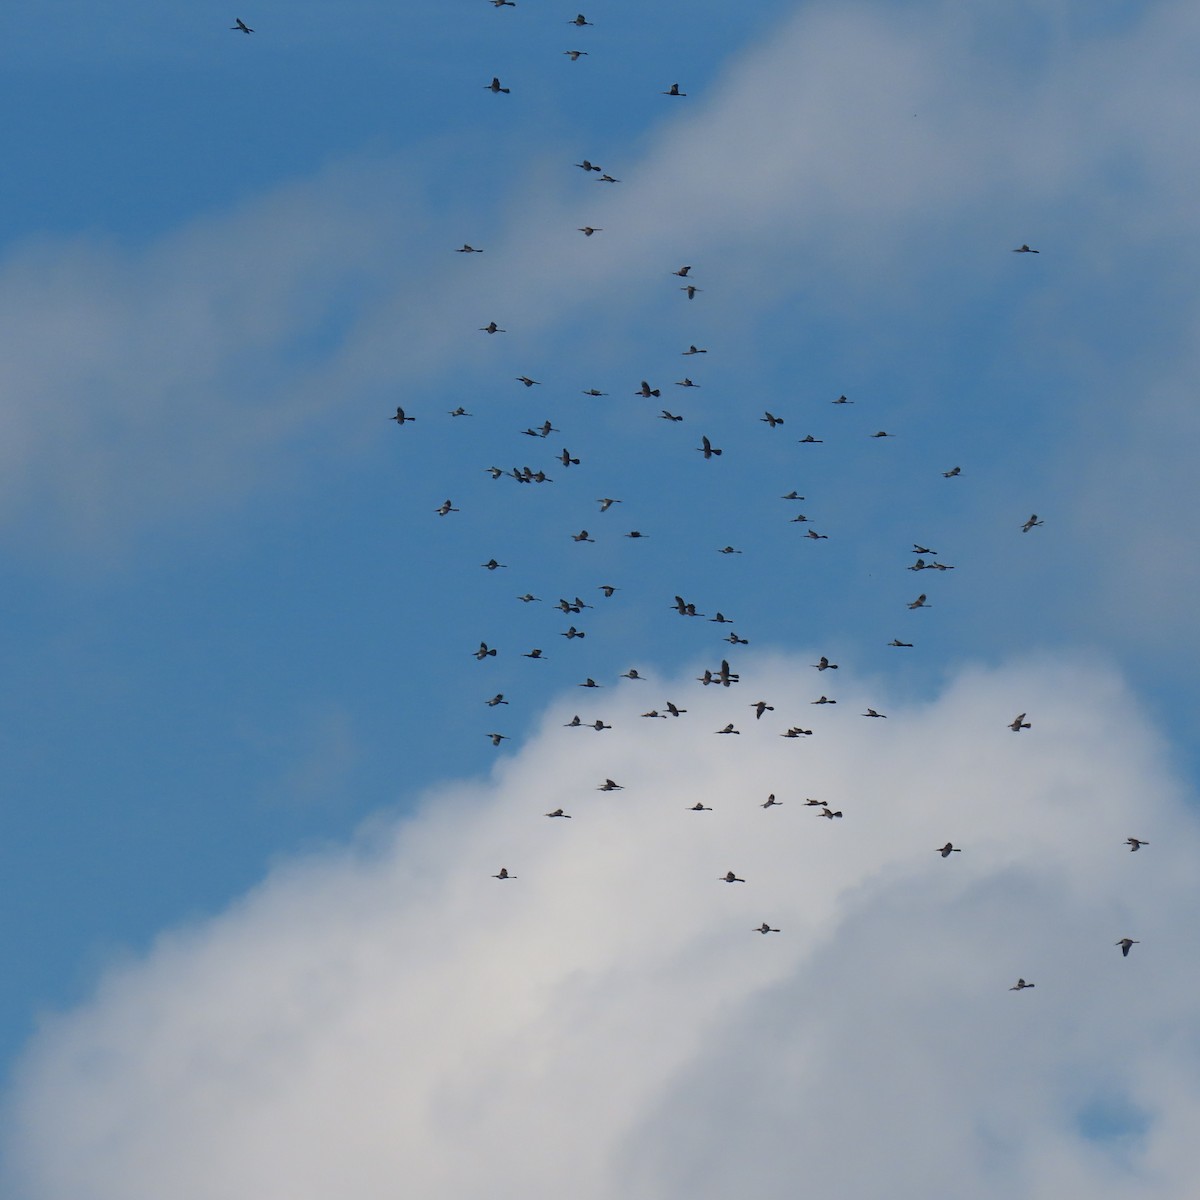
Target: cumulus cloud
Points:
(389, 1016)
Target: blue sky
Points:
(238, 648)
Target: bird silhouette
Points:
(497, 738)
(558, 812)
(771, 802)
(609, 786)
(825, 665)
(467, 248)
(809, 440)
(240, 27)
(919, 602)
(898, 642)
(1135, 844)
(401, 417)
(730, 877)
(691, 290)
(484, 651)
(495, 88)
(674, 91)
(765, 928)
(948, 849)
(1126, 945)
(491, 327)
(707, 448)
(498, 698)
(588, 230)
(1032, 523)
(770, 419)
(698, 807)
(580, 20)
(1021, 985)
(647, 391)
(730, 729)
(1024, 249)
(950, 474)
(1018, 723)
(693, 350)
(575, 55)
(872, 713)
(503, 874)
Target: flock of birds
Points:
(721, 675)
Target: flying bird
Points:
(484, 651)
(495, 88)
(588, 230)
(809, 440)
(948, 849)
(898, 642)
(593, 392)
(462, 412)
(503, 874)
(707, 448)
(682, 272)
(566, 459)
(793, 495)
(674, 91)
(1024, 249)
(401, 417)
(919, 602)
(685, 382)
(580, 20)
(698, 807)
(1021, 985)
(534, 654)
(445, 508)
(734, 640)
(607, 179)
(1135, 844)
(730, 877)
(1018, 723)
(841, 400)
(497, 738)
(691, 290)
(771, 419)
(575, 55)
(829, 814)
(529, 597)
(631, 674)
(725, 676)
(491, 327)
(498, 698)
(1126, 945)
(872, 713)
(493, 565)
(526, 380)
(609, 786)
(765, 928)
(693, 350)
(607, 589)
(950, 474)
(721, 619)
(730, 729)
(647, 391)
(823, 700)
(664, 415)
(673, 710)
(771, 802)
(825, 665)
(728, 550)
(558, 812)
(241, 26)
(1032, 523)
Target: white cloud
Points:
(391, 1016)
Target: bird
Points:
(728, 550)
(654, 713)
(494, 472)
(664, 415)
(693, 350)
(497, 738)
(919, 602)
(825, 665)
(796, 732)
(792, 495)
(918, 549)
(872, 713)
(529, 597)
(1024, 249)
(484, 651)
(467, 248)
(632, 673)
(598, 726)
(1018, 723)
(462, 412)
(566, 459)
(589, 682)
(607, 589)
(493, 565)
(1032, 523)
(1135, 844)
(948, 849)
(882, 433)
(593, 392)
(919, 565)
(809, 440)
(240, 27)
(760, 707)
(588, 230)
(504, 3)
(685, 382)
(609, 786)
(491, 327)
(698, 807)
(526, 380)
(1021, 985)
(582, 536)
(771, 419)
(771, 802)
(575, 55)
(446, 508)
(401, 417)
(606, 503)
(1126, 945)
(607, 179)
(503, 874)
(498, 698)
(823, 700)
(573, 633)
(730, 877)
(817, 537)
(730, 729)
(707, 448)
(674, 91)
(828, 813)
(721, 619)
(725, 676)
(765, 928)
(558, 812)
(580, 20)
(495, 88)
(682, 272)
(950, 474)
(809, 802)
(691, 290)
(841, 400)
(635, 533)
(673, 710)
(647, 391)
(898, 642)
(533, 654)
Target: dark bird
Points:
(1018, 723)
(631, 674)
(607, 179)
(497, 738)
(572, 633)
(948, 849)
(575, 722)
(1032, 523)
(491, 327)
(493, 565)
(589, 682)
(725, 676)
(503, 874)
(1024, 249)
(730, 877)
(484, 651)
(809, 802)
(566, 459)
(674, 91)
(682, 272)
(841, 400)
(872, 713)
(765, 928)
(664, 415)
(730, 729)
(728, 550)
(825, 665)
(823, 700)
(575, 55)
(898, 642)
(593, 392)
(1126, 945)
(580, 20)
(588, 230)
(771, 419)
(606, 503)
(494, 472)
(693, 350)
(734, 640)
(445, 508)
(526, 380)
(462, 412)
(698, 807)
(647, 391)
(809, 440)
(1021, 985)
(498, 698)
(830, 814)
(529, 597)
(401, 417)
(582, 536)
(796, 732)
(558, 812)
(598, 726)
(685, 382)
(923, 550)
(950, 474)
(495, 88)
(504, 3)
(241, 26)
(1135, 844)
(793, 495)
(607, 589)
(707, 448)
(919, 602)
(635, 533)
(817, 537)
(588, 165)
(771, 802)
(691, 290)
(533, 654)
(721, 619)
(653, 713)
(673, 710)
(467, 248)
(882, 433)
(609, 786)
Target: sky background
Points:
(252, 808)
